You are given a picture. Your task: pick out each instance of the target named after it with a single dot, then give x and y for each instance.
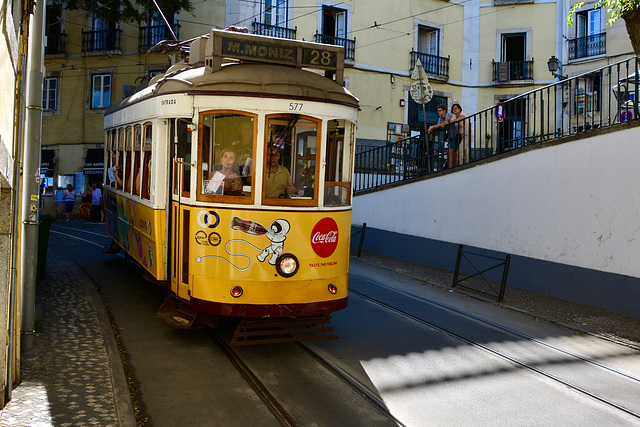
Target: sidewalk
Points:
(74, 374)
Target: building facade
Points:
(475, 53)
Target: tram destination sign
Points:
(311, 57)
(277, 51)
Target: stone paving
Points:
(67, 378)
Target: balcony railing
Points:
(104, 40)
(432, 64)
(154, 34)
(583, 47)
(348, 44)
(605, 97)
(274, 31)
(56, 44)
(510, 71)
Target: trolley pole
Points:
(31, 173)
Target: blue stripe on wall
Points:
(612, 292)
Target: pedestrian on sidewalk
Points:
(85, 207)
(69, 199)
(96, 202)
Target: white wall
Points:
(576, 203)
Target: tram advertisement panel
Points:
(138, 229)
(244, 245)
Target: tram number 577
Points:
(295, 106)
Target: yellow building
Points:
(475, 53)
(90, 65)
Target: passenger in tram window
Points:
(224, 179)
(114, 172)
(277, 179)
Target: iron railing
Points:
(274, 31)
(104, 40)
(432, 64)
(600, 98)
(154, 34)
(509, 71)
(56, 44)
(583, 47)
(348, 44)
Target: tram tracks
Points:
(277, 408)
(502, 354)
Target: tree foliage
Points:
(129, 10)
(615, 8)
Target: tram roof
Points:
(243, 79)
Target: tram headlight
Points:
(236, 291)
(287, 265)
(333, 288)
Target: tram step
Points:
(181, 315)
(268, 331)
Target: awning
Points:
(94, 161)
(46, 160)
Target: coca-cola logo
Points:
(324, 237)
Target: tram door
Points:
(180, 213)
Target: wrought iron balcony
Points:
(348, 44)
(432, 64)
(154, 34)
(56, 44)
(583, 47)
(512, 71)
(274, 31)
(104, 40)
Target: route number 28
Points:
(320, 58)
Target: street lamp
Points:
(554, 65)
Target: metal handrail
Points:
(151, 35)
(56, 44)
(274, 31)
(432, 64)
(508, 71)
(582, 47)
(348, 44)
(596, 99)
(93, 41)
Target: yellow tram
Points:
(229, 179)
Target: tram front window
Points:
(290, 169)
(337, 179)
(226, 155)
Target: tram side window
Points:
(126, 154)
(291, 167)
(180, 129)
(114, 173)
(226, 155)
(145, 183)
(135, 159)
(337, 177)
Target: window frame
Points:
(320, 148)
(46, 90)
(102, 97)
(222, 198)
(281, 15)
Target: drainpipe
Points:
(31, 173)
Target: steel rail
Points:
(279, 413)
(496, 353)
(504, 328)
(354, 384)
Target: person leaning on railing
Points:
(457, 150)
(443, 121)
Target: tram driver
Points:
(277, 179)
